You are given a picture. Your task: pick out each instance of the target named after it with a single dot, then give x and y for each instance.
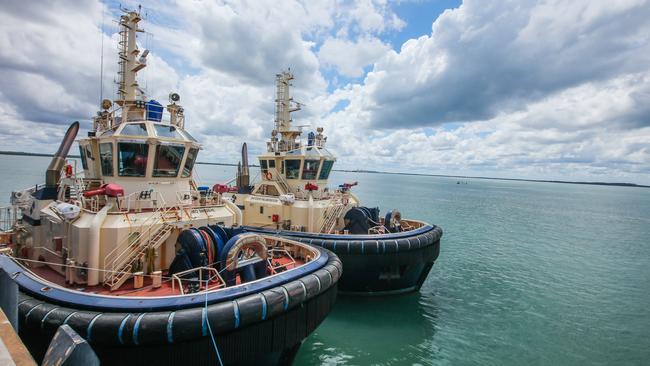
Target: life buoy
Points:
(345, 201)
(68, 170)
(269, 176)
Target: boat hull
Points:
(377, 264)
(264, 323)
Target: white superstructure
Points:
(122, 210)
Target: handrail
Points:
(8, 216)
(176, 277)
(209, 195)
(280, 179)
(157, 201)
(273, 267)
(122, 248)
(332, 213)
(119, 271)
(116, 120)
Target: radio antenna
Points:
(101, 58)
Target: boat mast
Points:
(129, 65)
(284, 106)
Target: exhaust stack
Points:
(243, 175)
(53, 172)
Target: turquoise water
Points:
(529, 274)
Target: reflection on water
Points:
(400, 328)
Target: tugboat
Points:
(145, 265)
(292, 199)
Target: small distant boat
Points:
(145, 265)
(380, 254)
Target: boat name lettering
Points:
(264, 199)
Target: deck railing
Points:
(8, 216)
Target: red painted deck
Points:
(127, 288)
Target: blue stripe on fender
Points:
(263, 306)
(319, 284)
(235, 308)
(45, 317)
(170, 327)
(89, 331)
(136, 329)
(286, 298)
(119, 332)
(65, 321)
(32, 309)
(204, 319)
(303, 235)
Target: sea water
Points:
(528, 274)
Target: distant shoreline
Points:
(21, 153)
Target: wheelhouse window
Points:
(134, 129)
(326, 169)
(106, 158)
(310, 169)
(132, 159)
(110, 132)
(187, 135)
(264, 166)
(271, 164)
(89, 153)
(82, 154)
(168, 160)
(189, 162)
(167, 131)
(292, 168)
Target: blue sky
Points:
(554, 89)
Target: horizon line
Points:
(616, 184)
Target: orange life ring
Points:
(269, 175)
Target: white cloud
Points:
(552, 89)
(350, 57)
(484, 58)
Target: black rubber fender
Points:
(150, 331)
(53, 320)
(79, 321)
(276, 301)
(108, 328)
(251, 309)
(185, 324)
(381, 244)
(297, 292)
(156, 327)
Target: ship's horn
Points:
(53, 172)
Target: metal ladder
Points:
(331, 215)
(122, 271)
(119, 262)
(281, 181)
